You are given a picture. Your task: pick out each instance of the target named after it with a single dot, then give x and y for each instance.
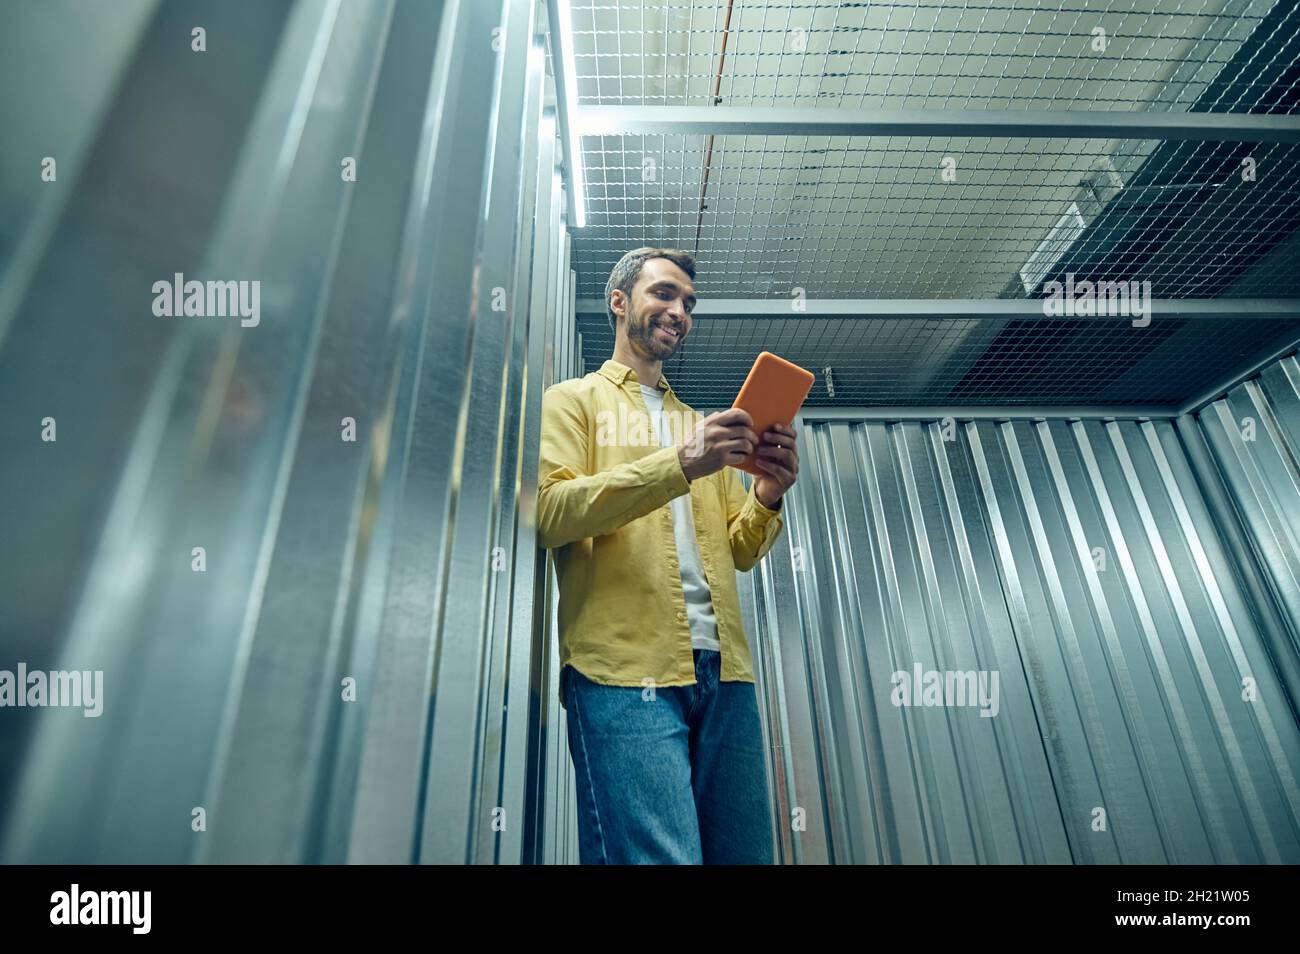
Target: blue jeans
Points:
(680, 778)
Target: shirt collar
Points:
(618, 372)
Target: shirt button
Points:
(681, 617)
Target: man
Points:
(649, 530)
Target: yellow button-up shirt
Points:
(604, 488)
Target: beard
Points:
(644, 332)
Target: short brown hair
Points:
(628, 270)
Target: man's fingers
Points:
(776, 470)
(735, 415)
(737, 432)
(782, 455)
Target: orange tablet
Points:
(772, 393)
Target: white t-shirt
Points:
(695, 589)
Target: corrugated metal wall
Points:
(1080, 562)
(1254, 432)
(422, 307)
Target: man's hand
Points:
(779, 457)
(720, 439)
(725, 438)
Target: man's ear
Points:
(617, 297)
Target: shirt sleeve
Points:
(573, 504)
(753, 528)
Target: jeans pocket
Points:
(626, 712)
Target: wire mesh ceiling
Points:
(1153, 55)
(937, 217)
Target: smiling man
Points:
(655, 669)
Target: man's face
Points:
(662, 300)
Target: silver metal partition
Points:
(300, 548)
(559, 816)
(1143, 712)
(1250, 439)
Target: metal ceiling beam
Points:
(959, 309)
(1053, 124)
